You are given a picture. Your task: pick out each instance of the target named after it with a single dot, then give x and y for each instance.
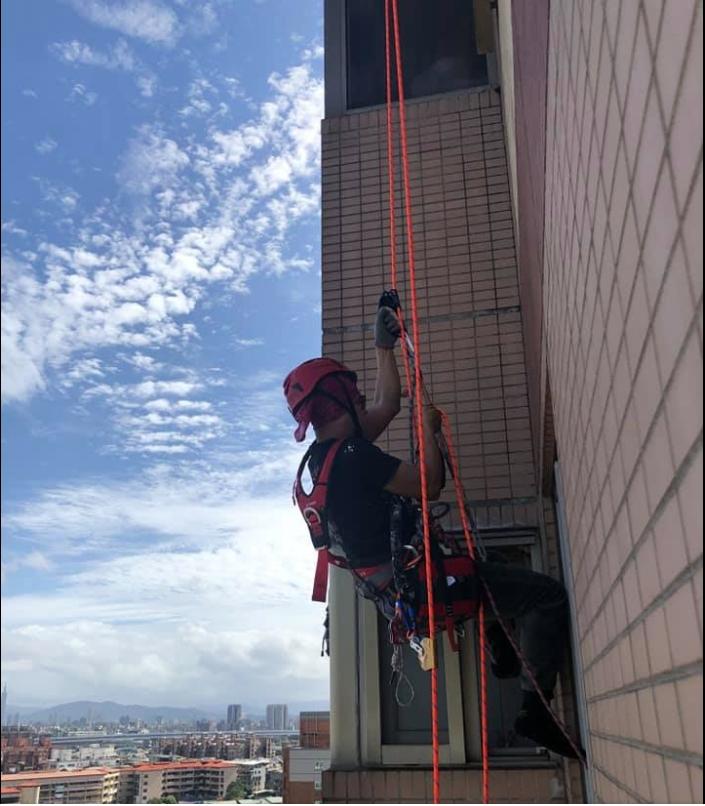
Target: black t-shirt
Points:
(358, 507)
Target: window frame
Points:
(335, 66)
(463, 744)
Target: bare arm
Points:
(387, 401)
(407, 479)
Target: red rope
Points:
(470, 542)
(392, 202)
(484, 744)
(419, 427)
(418, 403)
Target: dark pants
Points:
(539, 605)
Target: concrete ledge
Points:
(458, 785)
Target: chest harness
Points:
(399, 591)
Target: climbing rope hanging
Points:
(417, 391)
(392, 197)
(417, 398)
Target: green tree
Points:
(237, 790)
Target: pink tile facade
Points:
(471, 337)
(457, 786)
(609, 291)
(471, 340)
(622, 314)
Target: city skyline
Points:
(220, 710)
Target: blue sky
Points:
(160, 265)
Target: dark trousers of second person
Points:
(539, 605)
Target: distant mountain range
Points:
(109, 711)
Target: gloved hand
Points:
(387, 328)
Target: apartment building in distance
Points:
(304, 765)
(19, 794)
(92, 785)
(22, 749)
(277, 717)
(555, 153)
(234, 717)
(190, 779)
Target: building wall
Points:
(314, 729)
(525, 75)
(303, 773)
(86, 786)
(622, 298)
(457, 786)
(471, 340)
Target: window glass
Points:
(438, 49)
(409, 725)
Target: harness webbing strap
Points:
(320, 580)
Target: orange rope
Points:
(392, 203)
(419, 404)
(419, 426)
(470, 542)
(484, 744)
(419, 387)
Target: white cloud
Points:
(146, 84)
(148, 20)
(234, 87)
(152, 161)
(86, 369)
(11, 228)
(205, 213)
(212, 564)
(62, 196)
(45, 146)
(120, 57)
(249, 342)
(34, 560)
(79, 93)
(198, 94)
(28, 93)
(144, 362)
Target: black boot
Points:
(536, 723)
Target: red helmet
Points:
(301, 383)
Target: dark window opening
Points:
(438, 47)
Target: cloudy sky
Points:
(160, 274)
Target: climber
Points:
(360, 495)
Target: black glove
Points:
(390, 299)
(387, 329)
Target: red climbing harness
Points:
(453, 576)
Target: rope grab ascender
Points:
(411, 619)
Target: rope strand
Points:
(392, 200)
(419, 402)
